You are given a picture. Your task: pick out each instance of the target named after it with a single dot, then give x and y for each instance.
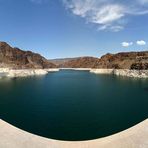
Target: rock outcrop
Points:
(14, 73)
(127, 60)
(139, 66)
(82, 62)
(16, 58)
(122, 72)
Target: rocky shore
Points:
(122, 72)
(118, 72)
(11, 73)
(6, 72)
(15, 62)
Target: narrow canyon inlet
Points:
(74, 105)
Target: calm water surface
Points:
(74, 105)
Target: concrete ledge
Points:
(135, 137)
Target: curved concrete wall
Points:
(135, 137)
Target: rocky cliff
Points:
(127, 60)
(18, 59)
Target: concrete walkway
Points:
(135, 137)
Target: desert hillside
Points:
(124, 60)
(82, 62)
(18, 59)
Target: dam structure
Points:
(135, 137)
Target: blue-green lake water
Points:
(74, 105)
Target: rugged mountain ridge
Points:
(123, 60)
(61, 61)
(18, 59)
(81, 62)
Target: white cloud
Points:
(127, 44)
(141, 43)
(107, 14)
(110, 28)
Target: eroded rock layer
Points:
(18, 59)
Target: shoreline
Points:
(117, 72)
(79, 69)
(11, 73)
(122, 72)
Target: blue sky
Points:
(72, 28)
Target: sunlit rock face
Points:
(127, 60)
(18, 59)
(123, 60)
(81, 62)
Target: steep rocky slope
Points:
(127, 60)
(82, 62)
(18, 59)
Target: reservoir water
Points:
(74, 105)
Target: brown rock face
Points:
(19, 59)
(139, 66)
(82, 62)
(122, 60)
(127, 60)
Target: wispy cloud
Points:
(126, 44)
(108, 15)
